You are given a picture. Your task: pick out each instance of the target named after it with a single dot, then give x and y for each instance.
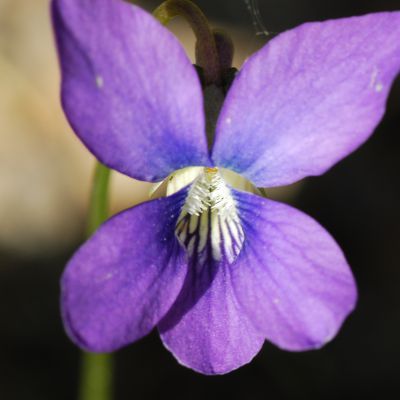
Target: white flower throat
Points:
(209, 225)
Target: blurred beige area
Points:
(45, 171)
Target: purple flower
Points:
(217, 270)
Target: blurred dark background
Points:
(44, 180)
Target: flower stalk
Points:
(96, 377)
(98, 207)
(207, 56)
(97, 369)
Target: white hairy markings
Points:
(209, 224)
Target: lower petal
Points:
(291, 277)
(207, 329)
(123, 280)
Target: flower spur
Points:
(218, 270)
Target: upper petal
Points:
(128, 88)
(307, 99)
(123, 280)
(291, 277)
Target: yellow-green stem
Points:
(97, 369)
(96, 377)
(98, 206)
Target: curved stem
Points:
(97, 369)
(206, 48)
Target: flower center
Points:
(209, 224)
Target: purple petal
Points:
(207, 329)
(128, 88)
(291, 278)
(307, 99)
(125, 277)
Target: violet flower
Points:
(216, 269)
